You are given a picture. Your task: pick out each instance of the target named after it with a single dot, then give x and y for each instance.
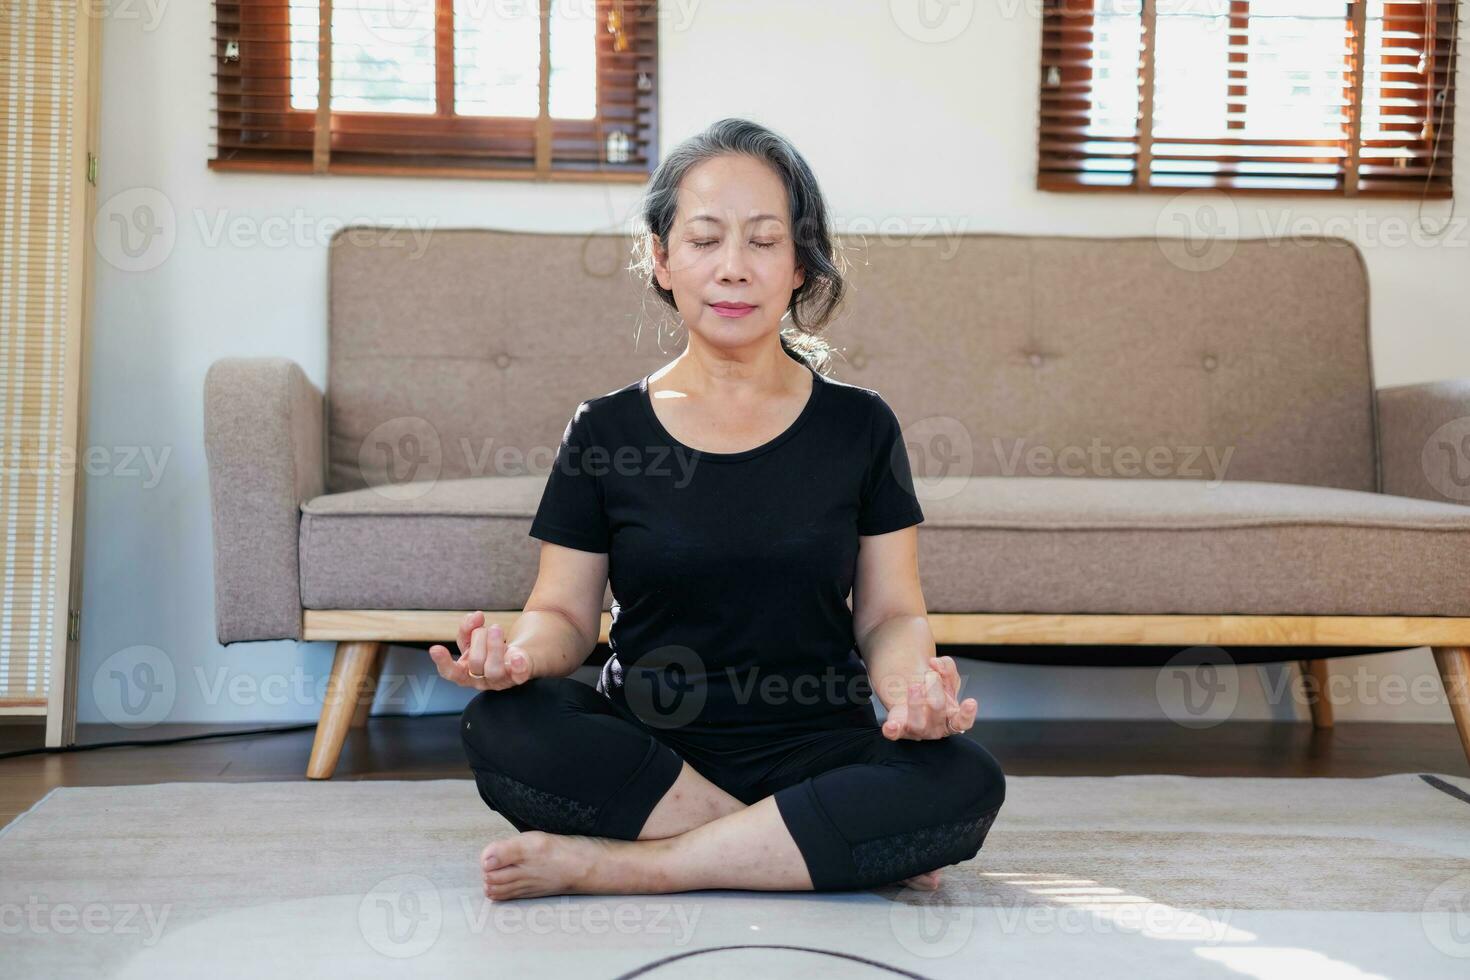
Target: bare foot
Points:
(536, 863)
(928, 881)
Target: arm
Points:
(264, 440)
(1420, 453)
(562, 619)
(891, 625)
(888, 614)
(553, 636)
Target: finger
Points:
(466, 626)
(474, 658)
(951, 674)
(893, 725)
(918, 716)
(938, 698)
(518, 663)
(956, 718)
(935, 692)
(494, 669)
(456, 671)
(951, 683)
(443, 662)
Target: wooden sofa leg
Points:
(369, 689)
(1454, 673)
(1314, 677)
(351, 666)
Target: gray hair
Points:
(816, 300)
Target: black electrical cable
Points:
(805, 949)
(57, 750)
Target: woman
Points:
(734, 497)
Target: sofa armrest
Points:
(265, 442)
(1424, 440)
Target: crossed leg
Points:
(695, 834)
(694, 801)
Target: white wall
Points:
(840, 77)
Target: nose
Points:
(733, 261)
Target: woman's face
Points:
(731, 260)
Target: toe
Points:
(928, 881)
(502, 892)
(503, 876)
(503, 853)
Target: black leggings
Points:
(553, 754)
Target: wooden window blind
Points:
(48, 89)
(551, 89)
(1350, 97)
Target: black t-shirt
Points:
(731, 572)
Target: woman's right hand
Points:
(482, 650)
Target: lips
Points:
(732, 311)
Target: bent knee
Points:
(982, 787)
(494, 722)
(962, 773)
(983, 776)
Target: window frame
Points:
(265, 25)
(1062, 20)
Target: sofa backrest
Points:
(467, 352)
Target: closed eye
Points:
(707, 244)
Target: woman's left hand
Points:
(932, 709)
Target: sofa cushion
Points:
(990, 544)
(1160, 546)
(985, 345)
(446, 544)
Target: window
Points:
(557, 89)
(1351, 97)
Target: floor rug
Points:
(1102, 876)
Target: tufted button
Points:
(1035, 360)
(858, 360)
(502, 360)
(1210, 362)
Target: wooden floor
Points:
(429, 748)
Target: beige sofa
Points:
(1116, 441)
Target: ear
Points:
(661, 266)
(799, 278)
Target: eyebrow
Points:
(754, 217)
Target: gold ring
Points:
(481, 677)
